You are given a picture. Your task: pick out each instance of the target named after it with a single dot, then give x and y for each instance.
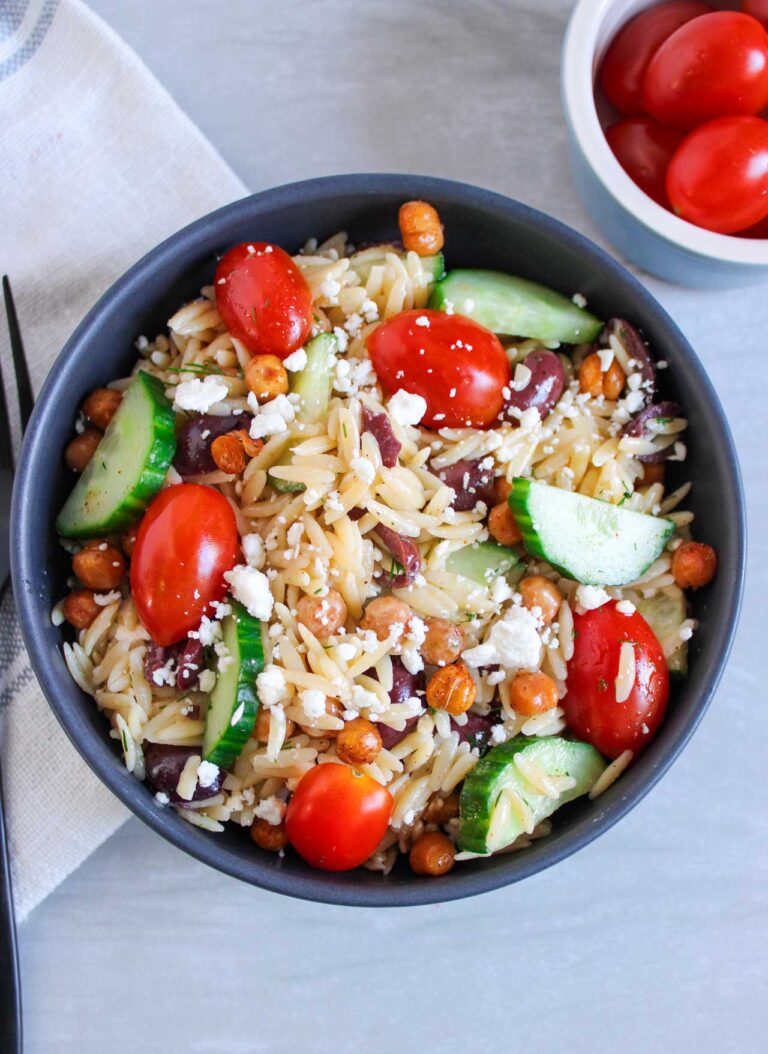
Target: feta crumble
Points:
(253, 550)
(313, 702)
(271, 418)
(199, 395)
(513, 642)
(207, 773)
(296, 361)
(406, 408)
(590, 597)
(271, 809)
(271, 686)
(251, 588)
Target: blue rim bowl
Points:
(483, 230)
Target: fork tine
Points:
(23, 384)
(6, 443)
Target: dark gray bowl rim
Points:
(326, 887)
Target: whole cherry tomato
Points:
(759, 230)
(714, 66)
(644, 148)
(633, 47)
(186, 541)
(337, 816)
(457, 365)
(718, 177)
(591, 709)
(263, 299)
(757, 8)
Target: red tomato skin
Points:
(714, 66)
(263, 299)
(452, 354)
(186, 540)
(757, 8)
(718, 176)
(590, 706)
(633, 47)
(337, 816)
(759, 230)
(644, 148)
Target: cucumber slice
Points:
(365, 259)
(482, 561)
(128, 466)
(589, 540)
(514, 306)
(498, 803)
(234, 703)
(313, 383)
(285, 486)
(665, 613)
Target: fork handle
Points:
(10, 998)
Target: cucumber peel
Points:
(588, 540)
(128, 466)
(498, 803)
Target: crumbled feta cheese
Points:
(513, 642)
(313, 702)
(363, 469)
(271, 418)
(407, 408)
(346, 651)
(498, 734)
(362, 698)
(422, 320)
(500, 590)
(271, 809)
(207, 632)
(253, 550)
(341, 339)
(369, 310)
(522, 377)
(199, 395)
(207, 773)
(221, 609)
(271, 686)
(102, 599)
(626, 607)
(296, 361)
(606, 357)
(251, 588)
(206, 682)
(162, 798)
(590, 597)
(579, 300)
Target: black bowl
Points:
(483, 230)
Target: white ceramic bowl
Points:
(650, 236)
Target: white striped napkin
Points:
(99, 164)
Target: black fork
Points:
(10, 989)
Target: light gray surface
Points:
(651, 940)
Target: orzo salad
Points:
(373, 559)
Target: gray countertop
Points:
(653, 939)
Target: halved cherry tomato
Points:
(590, 706)
(714, 66)
(718, 177)
(757, 8)
(186, 541)
(337, 816)
(644, 148)
(458, 366)
(263, 299)
(633, 47)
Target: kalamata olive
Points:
(637, 350)
(155, 658)
(471, 482)
(390, 738)
(404, 552)
(544, 387)
(164, 765)
(190, 663)
(477, 730)
(194, 439)
(381, 430)
(638, 426)
(356, 513)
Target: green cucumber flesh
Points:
(313, 384)
(498, 803)
(515, 307)
(361, 262)
(588, 540)
(128, 467)
(234, 703)
(482, 561)
(665, 612)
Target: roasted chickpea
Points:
(653, 472)
(384, 614)
(261, 728)
(595, 381)
(538, 592)
(334, 709)
(441, 808)
(694, 565)
(322, 616)
(266, 377)
(80, 608)
(270, 836)
(420, 228)
(81, 449)
(503, 489)
(101, 405)
(532, 693)
(451, 688)
(358, 743)
(228, 453)
(502, 525)
(128, 541)
(443, 643)
(432, 854)
(99, 565)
